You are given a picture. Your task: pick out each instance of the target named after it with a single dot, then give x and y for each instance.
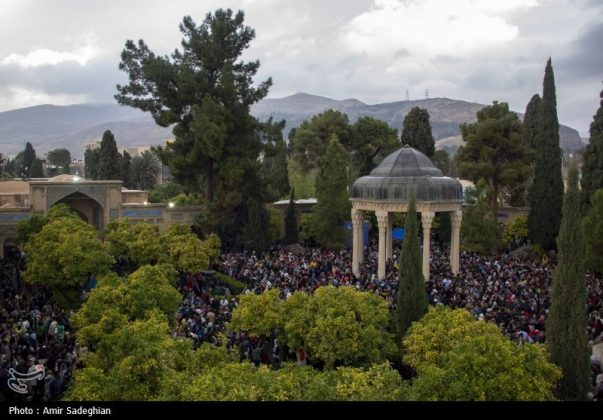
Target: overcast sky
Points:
(67, 51)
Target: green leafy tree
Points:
(546, 194)
(479, 230)
(274, 171)
(145, 170)
(567, 321)
(92, 163)
(258, 314)
(108, 164)
(412, 298)
(493, 150)
(460, 358)
(312, 138)
(304, 183)
(255, 233)
(277, 224)
(592, 169)
(593, 233)
(372, 140)
(291, 229)
(517, 229)
(333, 206)
(416, 131)
(245, 382)
(60, 158)
(205, 93)
(339, 326)
(185, 251)
(131, 363)
(64, 252)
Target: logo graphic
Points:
(18, 381)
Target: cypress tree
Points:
(567, 322)
(333, 207)
(28, 157)
(91, 164)
(592, 169)
(518, 194)
(125, 161)
(416, 131)
(546, 194)
(412, 298)
(291, 229)
(36, 171)
(531, 120)
(109, 158)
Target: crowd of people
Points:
(38, 350)
(35, 333)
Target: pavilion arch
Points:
(389, 188)
(86, 207)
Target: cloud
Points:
(45, 56)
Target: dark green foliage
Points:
(108, 167)
(412, 298)
(444, 227)
(274, 171)
(37, 171)
(205, 93)
(479, 229)
(145, 170)
(235, 286)
(255, 232)
(372, 141)
(517, 195)
(26, 161)
(291, 229)
(493, 151)
(567, 321)
(125, 162)
(546, 194)
(92, 164)
(592, 169)
(442, 161)
(531, 122)
(416, 131)
(61, 158)
(311, 138)
(165, 192)
(333, 207)
(593, 233)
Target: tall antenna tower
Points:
(407, 96)
(426, 93)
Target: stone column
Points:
(390, 225)
(357, 243)
(382, 217)
(426, 219)
(455, 238)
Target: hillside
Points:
(49, 127)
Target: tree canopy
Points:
(546, 194)
(493, 150)
(63, 252)
(460, 358)
(592, 169)
(416, 131)
(205, 92)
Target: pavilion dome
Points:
(403, 172)
(66, 178)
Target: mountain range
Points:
(49, 127)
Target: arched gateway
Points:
(388, 189)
